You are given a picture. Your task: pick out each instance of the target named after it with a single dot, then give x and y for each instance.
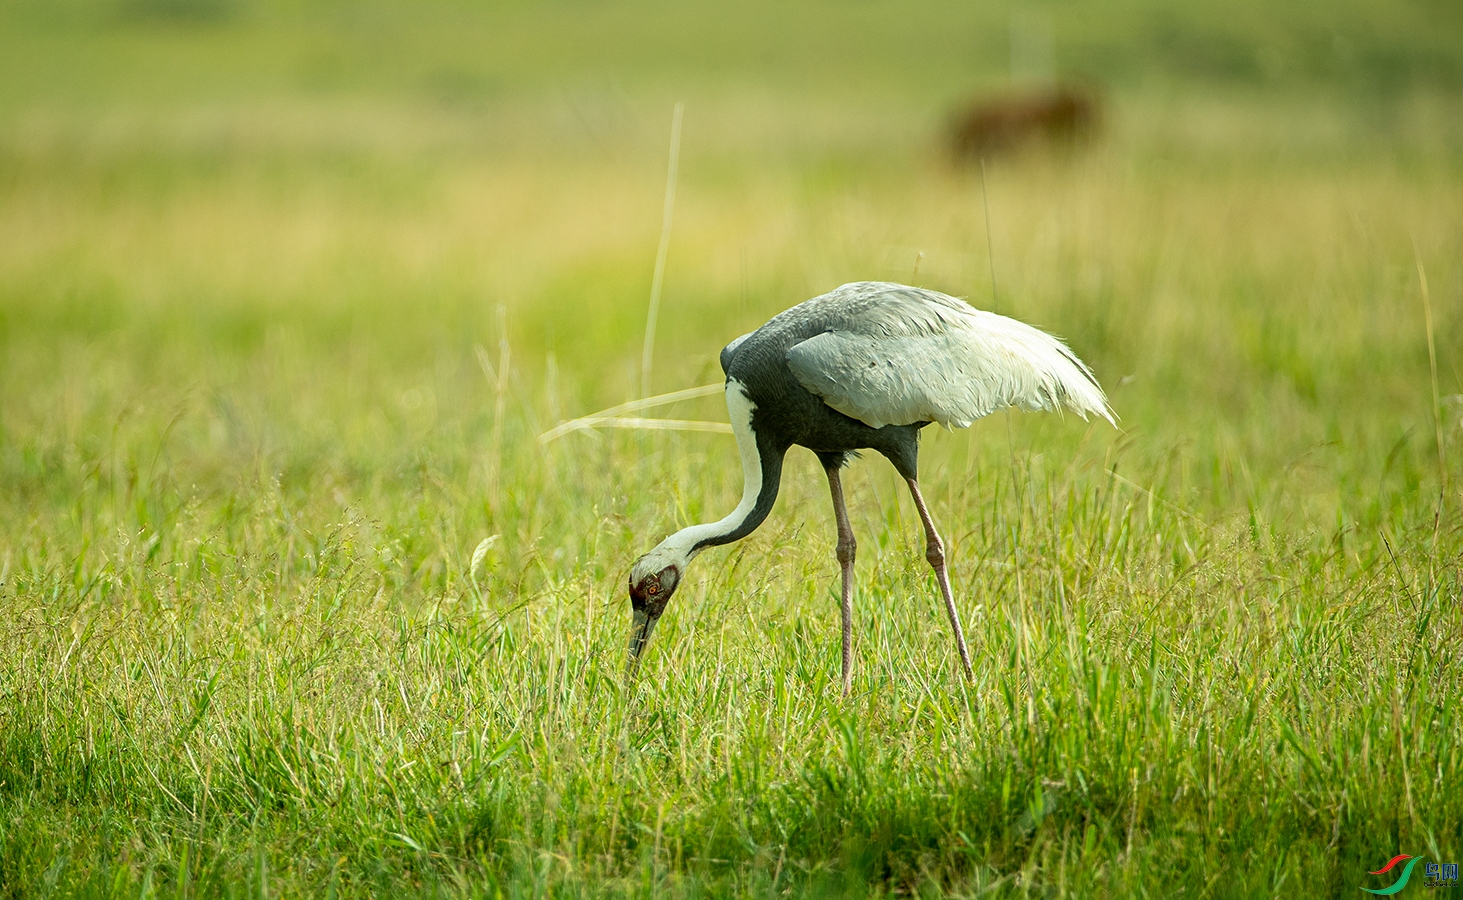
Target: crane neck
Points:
(761, 477)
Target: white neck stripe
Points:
(739, 407)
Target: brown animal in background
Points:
(1061, 116)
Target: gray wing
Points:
(896, 355)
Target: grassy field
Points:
(286, 298)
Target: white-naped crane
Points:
(864, 367)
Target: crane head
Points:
(653, 579)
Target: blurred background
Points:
(299, 223)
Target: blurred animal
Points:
(865, 366)
(1060, 116)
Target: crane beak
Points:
(639, 634)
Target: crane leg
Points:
(935, 553)
(846, 547)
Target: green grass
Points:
(252, 429)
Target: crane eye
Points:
(652, 588)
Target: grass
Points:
(271, 370)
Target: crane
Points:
(864, 367)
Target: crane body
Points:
(864, 367)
